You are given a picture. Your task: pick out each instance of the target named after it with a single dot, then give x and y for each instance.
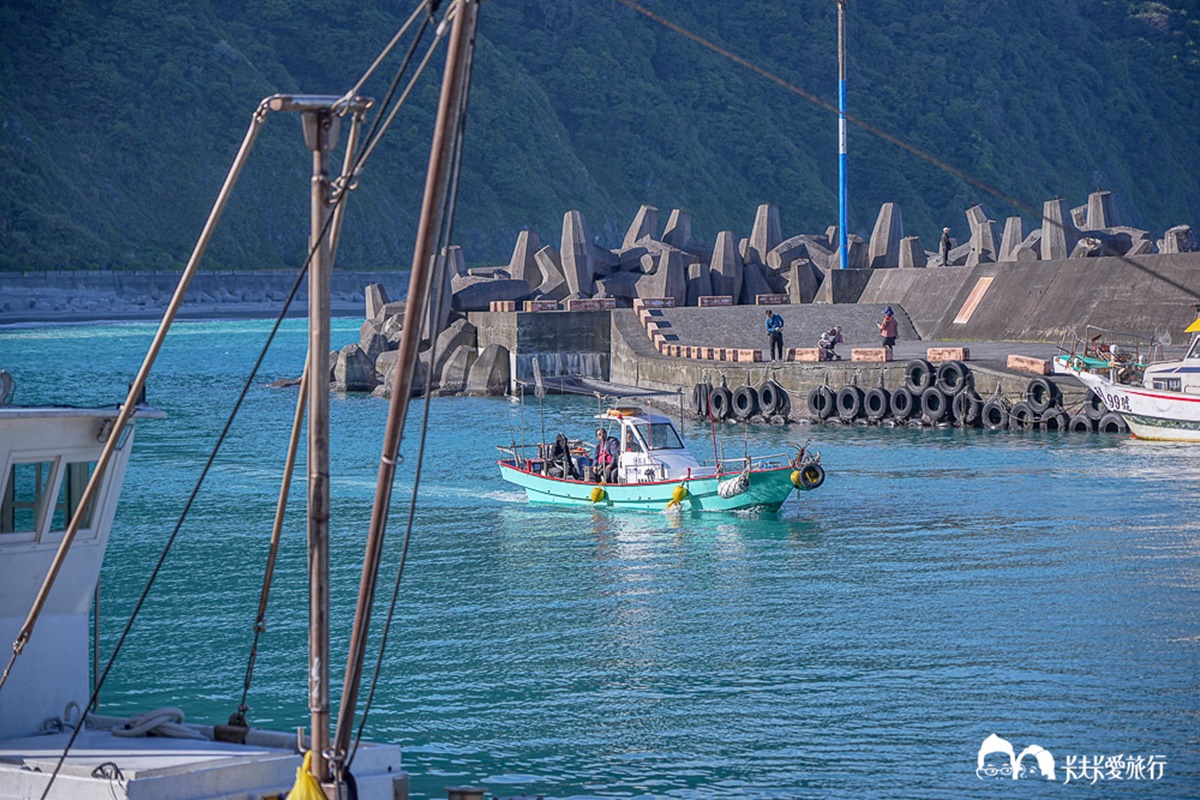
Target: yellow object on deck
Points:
(1194, 327)
(625, 411)
(306, 786)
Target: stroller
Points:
(828, 341)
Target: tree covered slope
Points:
(119, 119)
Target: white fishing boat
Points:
(655, 471)
(61, 471)
(1158, 400)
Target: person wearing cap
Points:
(945, 247)
(775, 333)
(888, 330)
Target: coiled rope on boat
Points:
(165, 722)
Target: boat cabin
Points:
(1177, 376)
(651, 448)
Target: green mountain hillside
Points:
(119, 119)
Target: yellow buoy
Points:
(598, 494)
(677, 496)
(796, 477)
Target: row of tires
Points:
(945, 395)
(769, 401)
(967, 409)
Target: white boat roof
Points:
(633, 415)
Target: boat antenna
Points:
(539, 389)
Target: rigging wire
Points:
(887, 137)
(376, 133)
(369, 147)
(448, 213)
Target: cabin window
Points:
(25, 496)
(70, 493)
(664, 437)
(1194, 351)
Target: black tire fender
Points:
(721, 401)
(1081, 423)
(995, 415)
(849, 402)
(1041, 394)
(745, 402)
(810, 476)
(919, 375)
(904, 403)
(1093, 406)
(954, 377)
(877, 403)
(967, 407)
(1055, 421)
(934, 404)
(1022, 416)
(1112, 422)
(768, 398)
(821, 402)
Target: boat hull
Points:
(1150, 413)
(767, 489)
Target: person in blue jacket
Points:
(775, 333)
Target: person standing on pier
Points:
(945, 247)
(888, 330)
(775, 333)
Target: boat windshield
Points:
(1194, 350)
(662, 436)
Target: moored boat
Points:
(1157, 400)
(655, 471)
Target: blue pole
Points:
(842, 132)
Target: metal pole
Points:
(842, 132)
(319, 134)
(437, 178)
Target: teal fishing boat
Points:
(640, 463)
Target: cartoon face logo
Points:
(998, 759)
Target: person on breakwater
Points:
(888, 330)
(775, 333)
(945, 247)
(828, 341)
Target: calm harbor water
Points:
(942, 586)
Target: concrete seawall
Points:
(93, 294)
(1040, 300)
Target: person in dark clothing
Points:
(561, 465)
(945, 247)
(775, 333)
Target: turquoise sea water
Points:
(942, 586)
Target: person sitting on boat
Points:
(604, 462)
(828, 341)
(559, 461)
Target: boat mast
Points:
(447, 128)
(320, 116)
